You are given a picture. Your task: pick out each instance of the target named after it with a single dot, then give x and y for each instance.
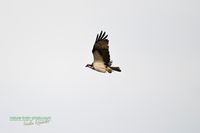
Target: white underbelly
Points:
(100, 67)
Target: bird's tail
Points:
(116, 69)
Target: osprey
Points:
(101, 55)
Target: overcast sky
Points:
(45, 45)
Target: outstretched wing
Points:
(101, 49)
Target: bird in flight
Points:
(102, 62)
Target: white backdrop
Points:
(45, 45)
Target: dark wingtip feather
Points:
(101, 36)
(97, 37)
(105, 37)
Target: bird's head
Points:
(89, 65)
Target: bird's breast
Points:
(99, 66)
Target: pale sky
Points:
(46, 44)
